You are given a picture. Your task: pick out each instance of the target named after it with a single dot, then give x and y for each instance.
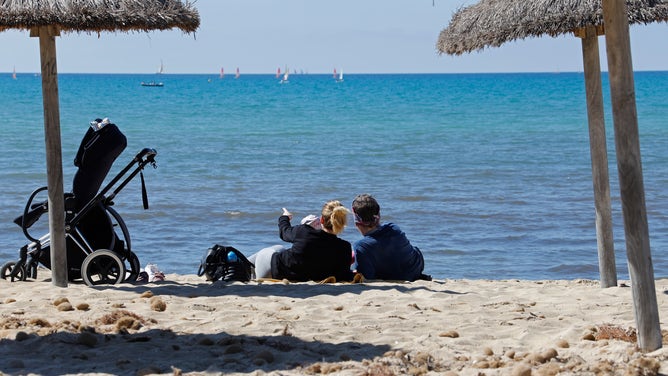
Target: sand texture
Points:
(186, 325)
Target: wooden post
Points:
(54, 164)
(629, 165)
(599, 156)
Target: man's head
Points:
(366, 211)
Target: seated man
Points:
(384, 252)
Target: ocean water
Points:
(489, 174)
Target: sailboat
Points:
(222, 73)
(278, 72)
(340, 79)
(238, 74)
(154, 83)
(14, 73)
(334, 75)
(285, 76)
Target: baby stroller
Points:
(95, 252)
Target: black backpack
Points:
(226, 263)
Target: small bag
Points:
(226, 263)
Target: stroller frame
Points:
(111, 265)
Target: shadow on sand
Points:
(81, 350)
(163, 351)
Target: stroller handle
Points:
(144, 157)
(31, 214)
(148, 153)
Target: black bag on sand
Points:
(225, 263)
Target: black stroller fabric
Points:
(97, 153)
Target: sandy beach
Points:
(188, 326)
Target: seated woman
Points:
(316, 254)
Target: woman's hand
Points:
(287, 212)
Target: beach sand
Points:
(186, 325)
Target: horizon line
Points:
(323, 73)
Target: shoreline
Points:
(186, 325)
(325, 73)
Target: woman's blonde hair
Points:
(334, 216)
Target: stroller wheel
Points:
(102, 267)
(132, 267)
(10, 267)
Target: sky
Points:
(315, 36)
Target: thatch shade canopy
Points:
(99, 15)
(491, 23)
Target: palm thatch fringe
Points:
(99, 15)
(490, 23)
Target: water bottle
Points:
(232, 257)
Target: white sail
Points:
(340, 78)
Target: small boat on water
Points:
(152, 83)
(340, 79)
(286, 76)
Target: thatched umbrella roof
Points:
(46, 19)
(490, 23)
(99, 15)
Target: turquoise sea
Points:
(489, 174)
